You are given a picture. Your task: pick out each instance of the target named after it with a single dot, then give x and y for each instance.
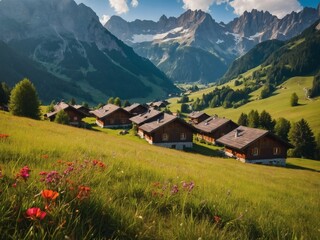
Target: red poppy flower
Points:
(35, 213)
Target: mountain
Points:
(15, 67)
(252, 59)
(194, 47)
(298, 56)
(71, 46)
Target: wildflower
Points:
(95, 162)
(101, 164)
(217, 219)
(68, 170)
(188, 186)
(24, 173)
(174, 189)
(49, 195)
(84, 192)
(53, 177)
(35, 213)
(3, 136)
(70, 163)
(45, 156)
(1, 176)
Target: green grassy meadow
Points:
(277, 105)
(138, 191)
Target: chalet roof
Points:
(242, 137)
(158, 123)
(134, 106)
(57, 108)
(211, 124)
(197, 114)
(105, 110)
(158, 104)
(144, 117)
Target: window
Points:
(165, 137)
(255, 151)
(183, 136)
(276, 151)
(75, 118)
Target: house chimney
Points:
(237, 132)
(158, 121)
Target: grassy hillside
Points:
(120, 187)
(278, 105)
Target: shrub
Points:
(24, 100)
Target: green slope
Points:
(278, 105)
(252, 201)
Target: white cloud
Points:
(121, 6)
(104, 19)
(275, 7)
(134, 3)
(204, 5)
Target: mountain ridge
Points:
(69, 42)
(163, 41)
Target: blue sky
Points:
(221, 10)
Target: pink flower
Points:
(35, 213)
(24, 173)
(174, 189)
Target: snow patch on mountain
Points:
(255, 36)
(139, 38)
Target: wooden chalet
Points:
(213, 128)
(251, 145)
(84, 110)
(167, 131)
(197, 117)
(136, 109)
(112, 116)
(145, 117)
(75, 116)
(158, 105)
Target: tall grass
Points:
(144, 192)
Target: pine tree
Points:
(265, 121)
(62, 118)
(317, 155)
(126, 103)
(111, 100)
(24, 100)
(282, 128)
(253, 119)
(85, 104)
(302, 137)
(294, 100)
(72, 102)
(117, 101)
(243, 120)
(4, 94)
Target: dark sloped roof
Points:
(134, 106)
(144, 117)
(158, 123)
(197, 114)
(245, 137)
(105, 110)
(211, 124)
(57, 108)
